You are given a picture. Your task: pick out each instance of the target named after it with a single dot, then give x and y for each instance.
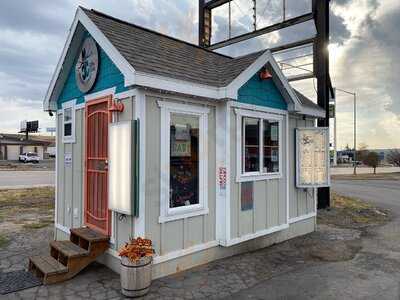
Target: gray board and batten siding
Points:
(70, 180)
(269, 195)
(182, 233)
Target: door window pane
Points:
(251, 144)
(67, 114)
(68, 129)
(271, 146)
(184, 160)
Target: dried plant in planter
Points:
(137, 248)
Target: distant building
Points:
(383, 154)
(12, 145)
(346, 156)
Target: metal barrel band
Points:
(139, 266)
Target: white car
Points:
(29, 157)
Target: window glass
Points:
(67, 114)
(271, 146)
(251, 144)
(67, 129)
(184, 160)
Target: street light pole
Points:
(354, 128)
(355, 136)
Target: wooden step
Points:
(89, 234)
(68, 249)
(68, 258)
(46, 266)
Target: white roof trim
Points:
(80, 17)
(178, 86)
(313, 112)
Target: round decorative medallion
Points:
(87, 65)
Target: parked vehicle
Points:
(29, 157)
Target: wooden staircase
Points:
(68, 258)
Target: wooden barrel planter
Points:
(136, 276)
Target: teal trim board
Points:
(109, 76)
(261, 92)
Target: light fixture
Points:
(265, 74)
(120, 167)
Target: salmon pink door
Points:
(97, 216)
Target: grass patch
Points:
(38, 225)
(352, 213)
(27, 197)
(3, 241)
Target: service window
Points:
(68, 122)
(258, 145)
(184, 155)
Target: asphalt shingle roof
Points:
(154, 53)
(306, 102)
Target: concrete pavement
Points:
(23, 179)
(291, 270)
(374, 273)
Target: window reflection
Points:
(184, 160)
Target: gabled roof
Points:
(151, 59)
(154, 53)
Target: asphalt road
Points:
(384, 193)
(19, 179)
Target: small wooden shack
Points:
(195, 150)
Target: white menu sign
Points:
(312, 157)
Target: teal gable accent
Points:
(261, 92)
(108, 76)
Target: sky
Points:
(364, 48)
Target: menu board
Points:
(312, 155)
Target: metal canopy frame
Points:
(320, 15)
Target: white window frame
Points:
(68, 105)
(167, 213)
(260, 175)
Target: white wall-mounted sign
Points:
(120, 167)
(68, 159)
(312, 157)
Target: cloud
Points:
(364, 51)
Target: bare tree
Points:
(362, 152)
(371, 160)
(394, 157)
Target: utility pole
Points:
(321, 69)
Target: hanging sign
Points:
(312, 157)
(180, 142)
(87, 65)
